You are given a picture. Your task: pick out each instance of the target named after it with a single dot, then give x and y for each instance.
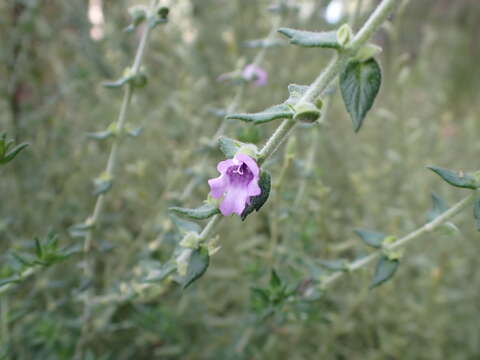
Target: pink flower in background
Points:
(255, 73)
(238, 182)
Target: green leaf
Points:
(161, 17)
(457, 179)
(260, 298)
(80, 230)
(38, 248)
(439, 206)
(359, 84)
(203, 212)
(12, 279)
(228, 146)
(311, 39)
(370, 237)
(135, 131)
(11, 154)
(185, 226)
(275, 112)
(102, 185)
(334, 265)
(476, 213)
(160, 274)
(275, 282)
(100, 135)
(384, 271)
(257, 202)
(197, 265)
(280, 111)
(295, 92)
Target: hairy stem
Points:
(376, 19)
(428, 227)
(110, 170)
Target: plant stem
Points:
(110, 170)
(376, 19)
(25, 274)
(311, 155)
(428, 227)
(230, 109)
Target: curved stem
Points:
(376, 19)
(110, 170)
(428, 227)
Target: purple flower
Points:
(238, 182)
(255, 73)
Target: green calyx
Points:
(306, 112)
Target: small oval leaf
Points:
(370, 237)
(304, 38)
(384, 271)
(457, 179)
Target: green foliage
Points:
(334, 265)
(439, 206)
(51, 98)
(265, 301)
(371, 238)
(46, 253)
(203, 212)
(281, 111)
(7, 152)
(228, 146)
(384, 270)
(457, 178)
(311, 39)
(359, 84)
(197, 265)
(476, 213)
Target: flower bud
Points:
(306, 112)
(344, 35)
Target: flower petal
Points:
(235, 201)
(252, 165)
(218, 186)
(223, 166)
(253, 188)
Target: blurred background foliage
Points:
(52, 64)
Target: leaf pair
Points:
(7, 152)
(360, 80)
(386, 265)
